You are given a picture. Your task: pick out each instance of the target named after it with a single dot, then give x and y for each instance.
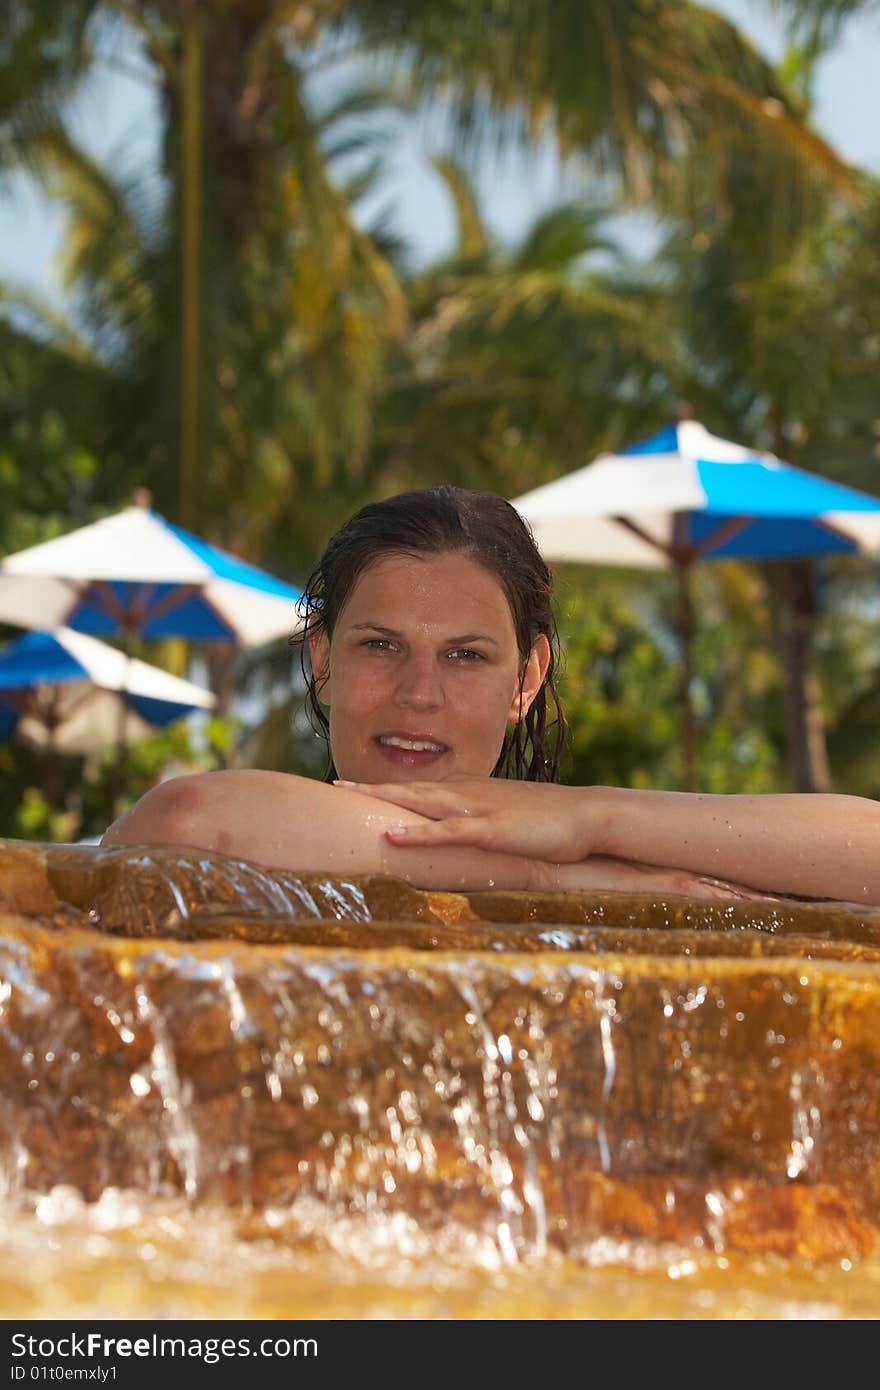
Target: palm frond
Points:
(473, 238)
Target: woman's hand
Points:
(539, 820)
(557, 828)
(603, 875)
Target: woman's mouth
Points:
(410, 750)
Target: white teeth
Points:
(412, 745)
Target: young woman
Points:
(433, 650)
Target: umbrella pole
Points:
(120, 762)
(54, 783)
(686, 700)
(120, 767)
(54, 776)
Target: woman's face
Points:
(423, 672)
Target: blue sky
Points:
(117, 119)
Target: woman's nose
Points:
(419, 685)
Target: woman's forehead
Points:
(414, 587)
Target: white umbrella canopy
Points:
(686, 496)
(135, 573)
(68, 693)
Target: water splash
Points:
(181, 1136)
(607, 1010)
(544, 1097)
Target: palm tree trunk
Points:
(191, 107)
(804, 722)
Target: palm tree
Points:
(633, 86)
(521, 361)
(784, 350)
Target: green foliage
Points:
(621, 686)
(35, 819)
(71, 798)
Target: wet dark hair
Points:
(440, 521)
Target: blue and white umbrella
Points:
(685, 496)
(135, 573)
(70, 693)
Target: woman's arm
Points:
(819, 846)
(290, 822)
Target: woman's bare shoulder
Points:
(210, 809)
(226, 780)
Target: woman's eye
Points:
(378, 644)
(467, 654)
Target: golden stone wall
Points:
(544, 1072)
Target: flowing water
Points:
(227, 1091)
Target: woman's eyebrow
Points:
(449, 641)
(375, 627)
(472, 637)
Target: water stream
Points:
(228, 1091)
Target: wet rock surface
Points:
(542, 1075)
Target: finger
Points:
(454, 831)
(365, 788)
(720, 888)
